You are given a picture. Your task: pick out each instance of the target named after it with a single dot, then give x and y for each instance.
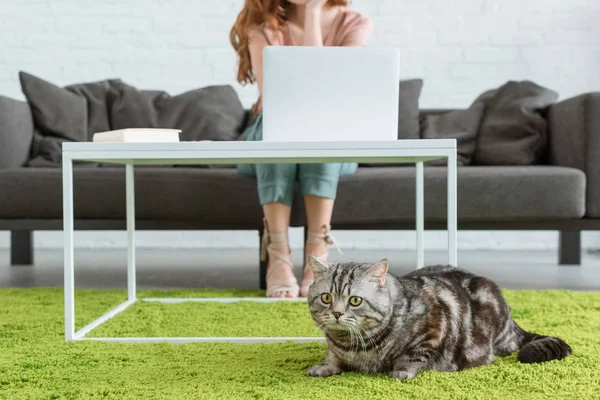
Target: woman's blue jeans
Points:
(276, 182)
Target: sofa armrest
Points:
(574, 139)
(16, 132)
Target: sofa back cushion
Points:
(514, 129)
(461, 125)
(503, 126)
(207, 113)
(408, 108)
(16, 132)
(76, 112)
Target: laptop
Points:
(330, 94)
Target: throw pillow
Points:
(461, 125)
(209, 113)
(96, 96)
(56, 111)
(46, 151)
(408, 108)
(16, 132)
(514, 130)
(72, 113)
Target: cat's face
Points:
(349, 296)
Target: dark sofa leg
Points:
(262, 269)
(569, 252)
(21, 247)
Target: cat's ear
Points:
(317, 266)
(378, 272)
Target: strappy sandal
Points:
(277, 261)
(326, 237)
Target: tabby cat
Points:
(439, 317)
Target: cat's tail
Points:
(536, 348)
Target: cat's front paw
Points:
(402, 375)
(323, 370)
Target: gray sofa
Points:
(560, 191)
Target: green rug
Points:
(36, 363)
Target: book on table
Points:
(138, 135)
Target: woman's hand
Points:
(315, 5)
(312, 23)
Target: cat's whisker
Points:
(320, 326)
(354, 326)
(351, 332)
(362, 342)
(359, 340)
(324, 344)
(360, 335)
(375, 346)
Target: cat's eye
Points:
(355, 301)
(326, 298)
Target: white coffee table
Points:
(131, 154)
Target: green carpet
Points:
(36, 363)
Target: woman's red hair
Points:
(271, 13)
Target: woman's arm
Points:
(313, 36)
(356, 35)
(256, 47)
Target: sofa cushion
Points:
(64, 114)
(56, 111)
(16, 132)
(387, 195)
(514, 129)
(408, 108)
(222, 197)
(461, 125)
(211, 196)
(76, 112)
(208, 113)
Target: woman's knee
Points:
(322, 179)
(273, 173)
(279, 192)
(328, 171)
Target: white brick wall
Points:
(459, 47)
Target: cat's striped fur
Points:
(439, 317)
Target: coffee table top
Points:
(240, 152)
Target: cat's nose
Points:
(337, 314)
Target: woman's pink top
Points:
(349, 29)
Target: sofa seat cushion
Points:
(387, 195)
(222, 198)
(214, 197)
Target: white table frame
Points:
(130, 154)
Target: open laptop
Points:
(330, 94)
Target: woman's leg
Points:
(275, 191)
(318, 216)
(318, 184)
